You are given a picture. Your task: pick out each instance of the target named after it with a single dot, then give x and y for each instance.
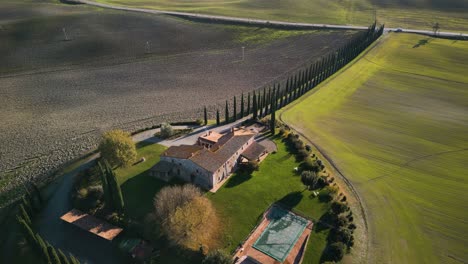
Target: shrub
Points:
(118, 148)
(309, 179)
(302, 154)
(352, 226)
(311, 165)
(217, 257)
(308, 148)
(342, 221)
(342, 235)
(166, 130)
(338, 207)
(336, 251)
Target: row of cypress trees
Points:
(267, 102)
(30, 205)
(112, 192)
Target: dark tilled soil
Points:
(57, 96)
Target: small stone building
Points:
(211, 160)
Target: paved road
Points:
(264, 22)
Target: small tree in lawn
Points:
(118, 148)
(309, 179)
(166, 130)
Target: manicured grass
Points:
(451, 15)
(243, 199)
(396, 124)
(138, 188)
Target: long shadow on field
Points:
(421, 42)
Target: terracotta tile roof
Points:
(213, 159)
(182, 151)
(212, 136)
(91, 224)
(253, 151)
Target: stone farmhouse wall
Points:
(188, 171)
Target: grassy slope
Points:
(452, 16)
(400, 134)
(243, 199)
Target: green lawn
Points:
(452, 15)
(396, 124)
(243, 199)
(138, 188)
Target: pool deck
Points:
(294, 257)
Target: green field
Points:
(452, 14)
(396, 124)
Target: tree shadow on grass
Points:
(138, 193)
(238, 178)
(291, 199)
(421, 42)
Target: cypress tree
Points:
(259, 104)
(27, 230)
(105, 186)
(73, 260)
(235, 109)
(248, 104)
(254, 106)
(43, 248)
(242, 106)
(205, 115)
(53, 255)
(27, 206)
(226, 114)
(63, 258)
(264, 103)
(277, 96)
(118, 202)
(37, 194)
(273, 121)
(217, 117)
(25, 215)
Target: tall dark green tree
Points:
(242, 106)
(118, 201)
(105, 186)
(248, 104)
(54, 258)
(273, 121)
(25, 214)
(27, 230)
(226, 114)
(235, 109)
(205, 116)
(254, 106)
(63, 258)
(43, 249)
(217, 117)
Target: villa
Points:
(211, 160)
